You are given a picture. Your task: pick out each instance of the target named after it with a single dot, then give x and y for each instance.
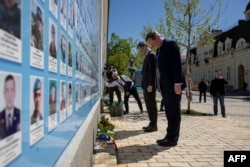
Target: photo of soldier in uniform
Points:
(36, 26)
(10, 17)
(52, 97)
(52, 45)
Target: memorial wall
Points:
(49, 76)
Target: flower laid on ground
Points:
(106, 132)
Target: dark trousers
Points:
(162, 103)
(204, 94)
(132, 91)
(173, 114)
(111, 91)
(222, 105)
(151, 105)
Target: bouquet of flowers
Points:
(106, 132)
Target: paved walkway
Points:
(202, 141)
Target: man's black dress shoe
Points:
(167, 143)
(160, 140)
(145, 127)
(151, 129)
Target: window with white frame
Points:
(219, 48)
(241, 43)
(228, 44)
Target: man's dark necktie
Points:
(9, 123)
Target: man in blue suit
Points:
(10, 115)
(172, 82)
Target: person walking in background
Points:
(217, 91)
(172, 81)
(202, 89)
(244, 88)
(129, 89)
(149, 85)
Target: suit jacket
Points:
(15, 123)
(169, 64)
(149, 71)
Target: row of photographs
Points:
(11, 43)
(59, 42)
(55, 108)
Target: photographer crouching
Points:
(107, 75)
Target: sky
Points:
(127, 17)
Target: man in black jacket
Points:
(149, 85)
(203, 89)
(217, 91)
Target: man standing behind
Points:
(10, 115)
(149, 85)
(37, 116)
(168, 60)
(217, 91)
(203, 89)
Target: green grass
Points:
(194, 113)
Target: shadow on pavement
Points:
(136, 153)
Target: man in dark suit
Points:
(172, 81)
(149, 85)
(10, 115)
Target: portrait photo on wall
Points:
(10, 17)
(69, 101)
(37, 36)
(70, 57)
(63, 54)
(10, 116)
(53, 7)
(10, 30)
(63, 100)
(52, 46)
(63, 13)
(36, 109)
(37, 25)
(70, 18)
(52, 100)
(76, 96)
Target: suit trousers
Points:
(151, 106)
(173, 114)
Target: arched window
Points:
(241, 43)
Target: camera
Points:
(108, 66)
(108, 71)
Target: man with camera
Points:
(107, 75)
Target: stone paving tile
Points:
(202, 141)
